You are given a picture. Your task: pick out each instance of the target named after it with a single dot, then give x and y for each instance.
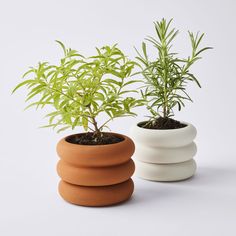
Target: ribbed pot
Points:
(164, 155)
(96, 175)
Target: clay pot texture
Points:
(165, 155)
(96, 175)
(96, 196)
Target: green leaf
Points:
(63, 129)
(112, 81)
(144, 50)
(85, 123)
(202, 50)
(194, 78)
(22, 84)
(165, 77)
(79, 90)
(62, 46)
(132, 82)
(75, 122)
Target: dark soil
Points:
(92, 139)
(162, 123)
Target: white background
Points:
(29, 203)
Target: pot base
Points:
(165, 172)
(96, 196)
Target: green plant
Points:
(166, 77)
(80, 89)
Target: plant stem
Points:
(105, 123)
(164, 110)
(97, 131)
(94, 122)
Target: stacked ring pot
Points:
(164, 155)
(96, 175)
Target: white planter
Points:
(164, 155)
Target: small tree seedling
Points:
(79, 89)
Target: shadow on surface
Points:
(205, 177)
(212, 176)
(147, 192)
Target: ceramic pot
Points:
(164, 155)
(96, 175)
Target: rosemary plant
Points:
(166, 77)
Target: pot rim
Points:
(164, 130)
(96, 155)
(125, 138)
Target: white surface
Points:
(29, 203)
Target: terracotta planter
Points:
(96, 175)
(165, 155)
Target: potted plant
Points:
(95, 166)
(164, 146)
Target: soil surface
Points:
(162, 123)
(92, 139)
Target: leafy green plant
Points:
(80, 89)
(166, 77)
